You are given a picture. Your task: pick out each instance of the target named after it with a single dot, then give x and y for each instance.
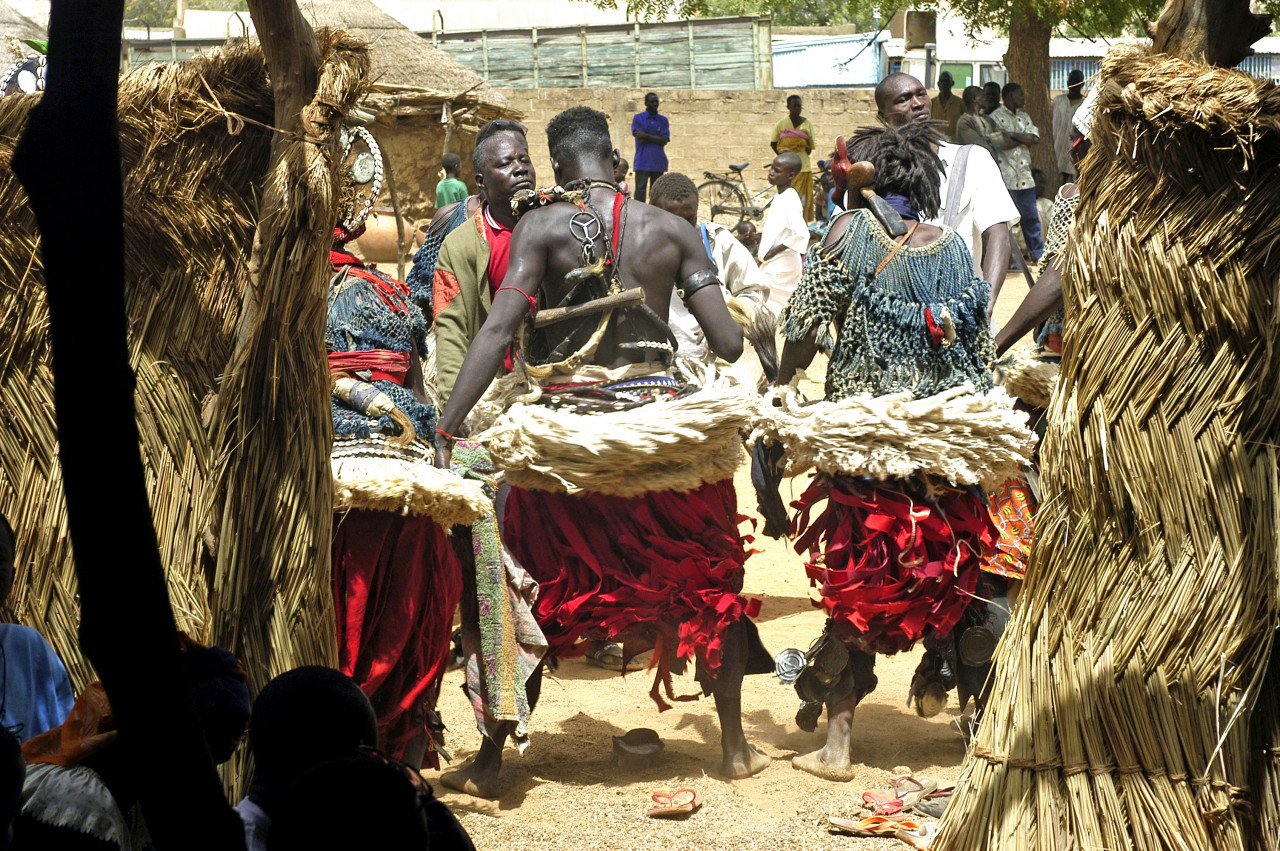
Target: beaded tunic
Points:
(1055, 242)
(365, 315)
(876, 327)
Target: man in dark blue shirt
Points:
(652, 133)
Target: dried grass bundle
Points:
(189, 178)
(1120, 715)
(271, 594)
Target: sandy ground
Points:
(565, 792)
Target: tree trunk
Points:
(1027, 61)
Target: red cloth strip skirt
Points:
(893, 562)
(660, 571)
(396, 584)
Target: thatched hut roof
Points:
(403, 62)
(13, 22)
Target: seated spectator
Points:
(301, 719)
(367, 801)
(13, 770)
(80, 790)
(37, 692)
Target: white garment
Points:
(984, 202)
(74, 797)
(1063, 111)
(739, 276)
(256, 825)
(784, 224)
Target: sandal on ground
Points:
(881, 802)
(919, 837)
(911, 790)
(673, 803)
(933, 808)
(871, 826)
(608, 655)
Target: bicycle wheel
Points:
(721, 202)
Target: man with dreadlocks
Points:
(897, 551)
(634, 548)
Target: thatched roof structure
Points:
(409, 75)
(13, 22)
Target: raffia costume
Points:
(910, 429)
(622, 504)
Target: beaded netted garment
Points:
(881, 328)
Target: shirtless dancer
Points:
(657, 252)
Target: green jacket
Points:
(460, 298)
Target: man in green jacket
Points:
(473, 259)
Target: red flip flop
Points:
(882, 802)
(672, 803)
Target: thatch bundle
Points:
(189, 210)
(196, 150)
(1120, 715)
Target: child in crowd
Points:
(451, 188)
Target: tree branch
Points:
(1219, 32)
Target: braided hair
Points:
(906, 162)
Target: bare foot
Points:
(471, 781)
(744, 763)
(824, 765)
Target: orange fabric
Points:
(444, 289)
(89, 728)
(1012, 509)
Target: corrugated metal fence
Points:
(705, 53)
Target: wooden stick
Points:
(69, 163)
(626, 298)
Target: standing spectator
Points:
(983, 212)
(620, 173)
(652, 133)
(747, 234)
(1015, 163)
(976, 127)
(1064, 109)
(450, 189)
(785, 236)
(794, 134)
(947, 108)
(991, 93)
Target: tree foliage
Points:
(801, 13)
(153, 13)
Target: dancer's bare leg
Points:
(835, 760)
(740, 758)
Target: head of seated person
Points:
(303, 718)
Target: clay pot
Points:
(378, 242)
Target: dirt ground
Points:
(565, 792)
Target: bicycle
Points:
(726, 203)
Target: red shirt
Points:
(499, 239)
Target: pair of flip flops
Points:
(674, 803)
